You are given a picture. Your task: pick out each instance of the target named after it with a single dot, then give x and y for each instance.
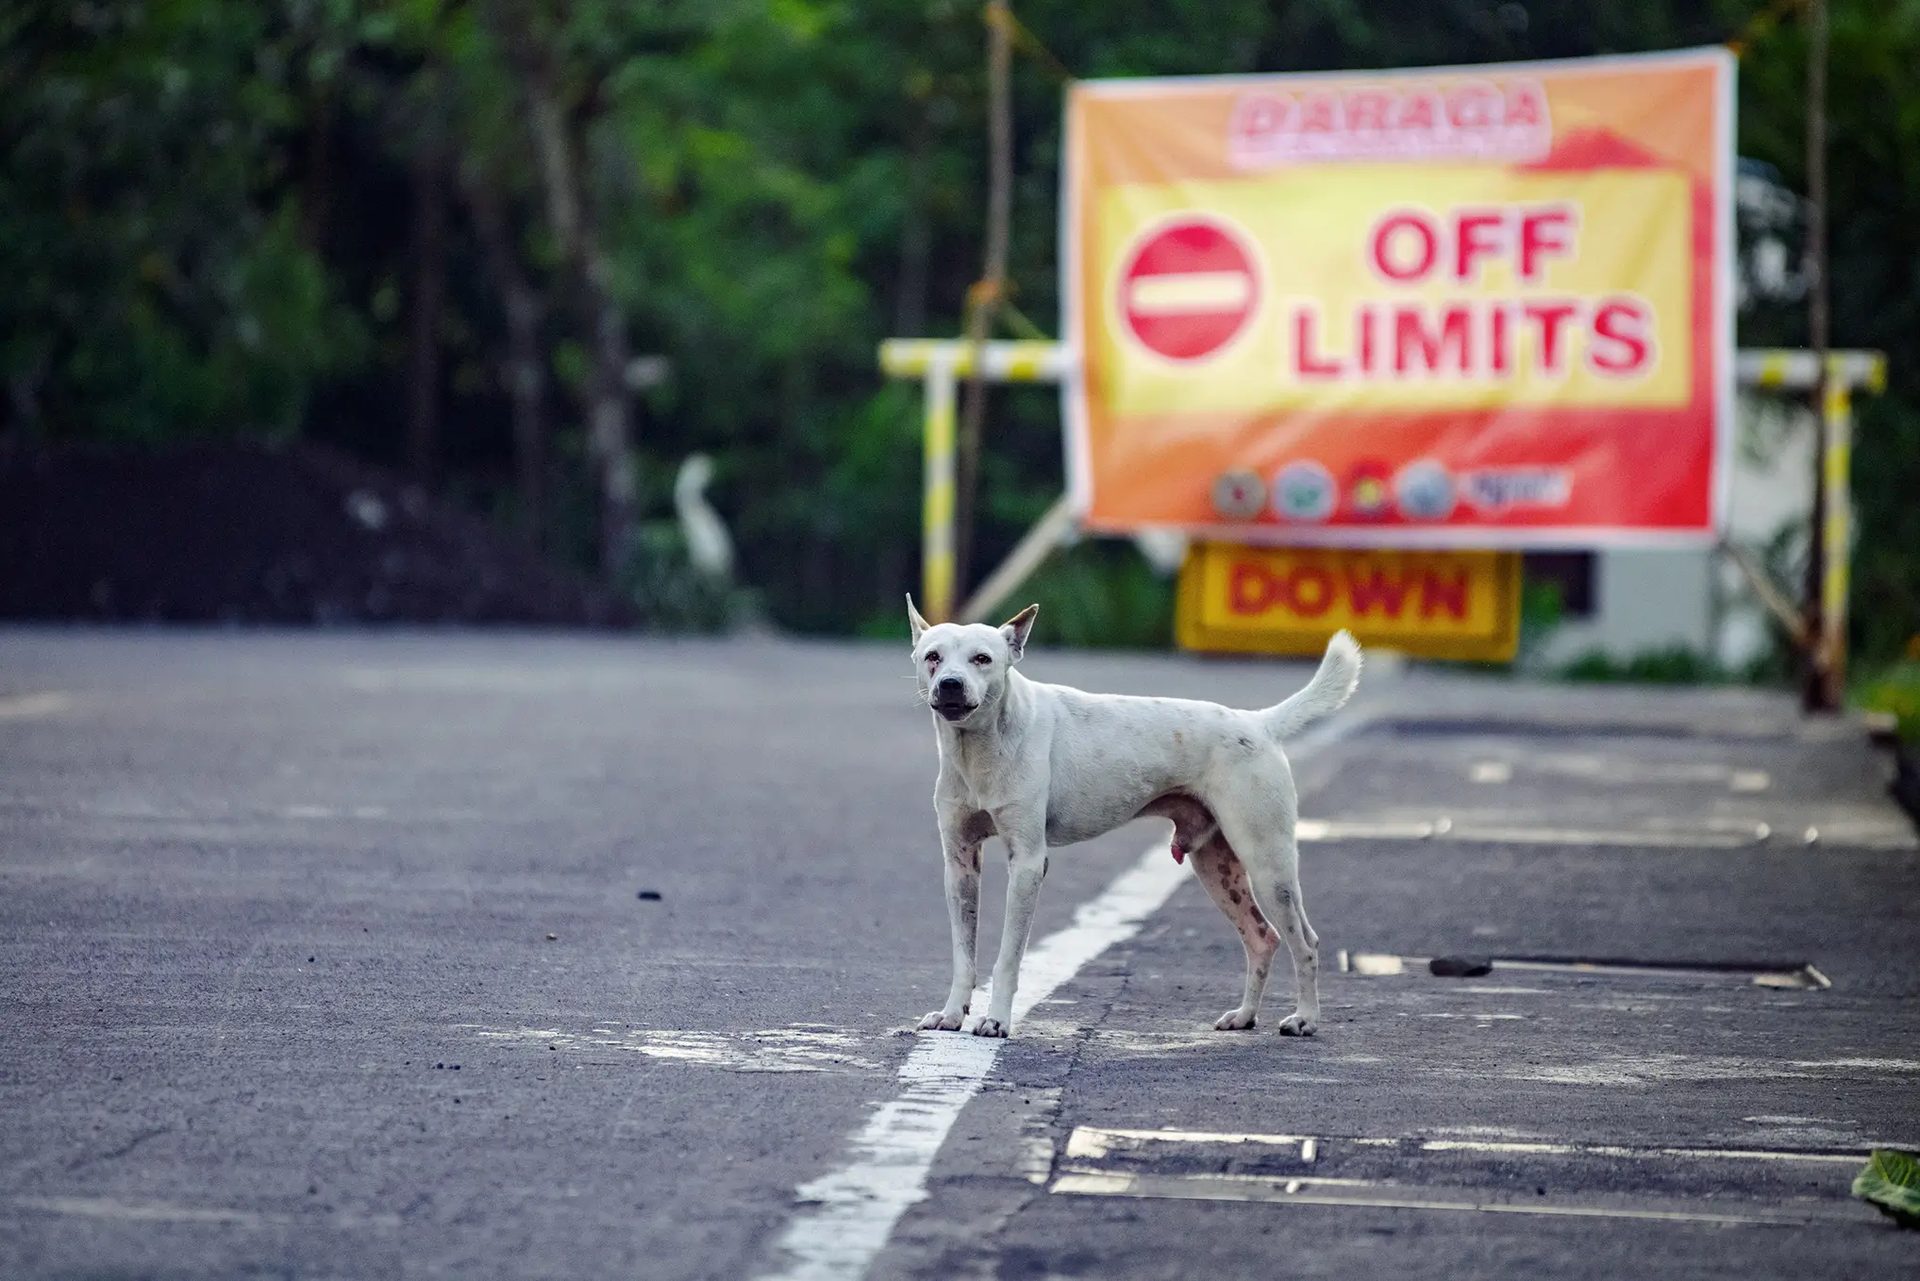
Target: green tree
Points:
(159, 282)
(437, 232)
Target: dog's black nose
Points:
(949, 689)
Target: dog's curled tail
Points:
(1332, 685)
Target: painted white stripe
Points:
(1382, 964)
(1370, 1194)
(113, 1208)
(100, 1207)
(1731, 836)
(1191, 291)
(855, 1207)
(23, 706)
(1092, 1142)
(1637, 1153)
(1095, 1143)
(848, 1214)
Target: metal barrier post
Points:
(1836, 472)
(940, 363)
(936, 510)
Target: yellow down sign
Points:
(1288, 600)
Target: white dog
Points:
(1044, 765)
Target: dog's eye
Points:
(933, 660)
(981, 660)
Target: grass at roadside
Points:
(1895, 690)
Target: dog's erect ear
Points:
(1016, 630)
(914, 620)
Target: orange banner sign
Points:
(1435, 604)
(1481, 306)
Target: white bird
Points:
(709, 545)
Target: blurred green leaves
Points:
(158, 280)
(205, 227)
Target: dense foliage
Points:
(438, 233)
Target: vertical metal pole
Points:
(1837, 536)
(936, 511)
(1817, 692)
(983, 300)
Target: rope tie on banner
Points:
(999, 293)
(983, 292)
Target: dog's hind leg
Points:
(1220, 871)
(1261, 833)
(1300, 906)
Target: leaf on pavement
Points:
(1891, 1183)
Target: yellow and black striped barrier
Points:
(940, 364)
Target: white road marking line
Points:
(1872, 1065)
(101, 1207)
(1035, 1162)
(1733, 835)
(1804, 977)
(22, 706)
(1323, 829)
(1637, 1153)
(1326, 1192)
(1517, 835)
(1091, 1142)
(1372, 964)
(803, 1047)
(1383, 964)
(1036, 1159)
(1613, 770)
(855, 1207)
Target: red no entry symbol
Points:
(1188, 288)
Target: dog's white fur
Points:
(1044, 765)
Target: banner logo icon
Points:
(1303, 490)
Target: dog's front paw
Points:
(990, 1027)
(1234, 1021)
(1298, 1024)
(941, 1021)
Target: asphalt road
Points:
(338, 955)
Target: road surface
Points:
(503, 955)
